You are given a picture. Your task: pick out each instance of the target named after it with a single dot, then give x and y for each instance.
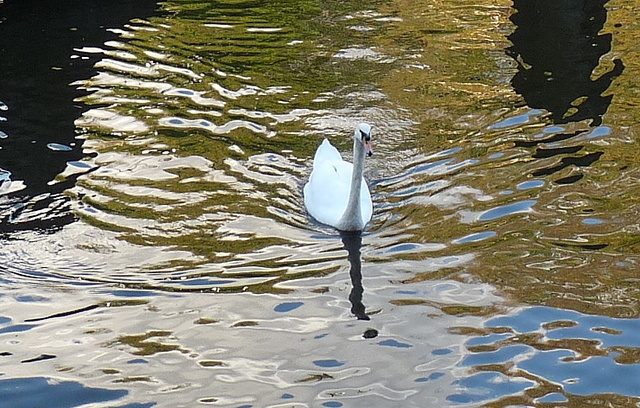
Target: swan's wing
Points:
(327, 192)
(326, 151)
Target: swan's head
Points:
(363, 134)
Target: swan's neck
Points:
(352, 218)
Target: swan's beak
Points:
(367, 147)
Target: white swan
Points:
(336, 193)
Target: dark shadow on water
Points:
(352, 241)
(37, 42)
(557, 45)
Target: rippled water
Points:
(155, 246)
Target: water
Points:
(155, 247)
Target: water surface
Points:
(156, 251)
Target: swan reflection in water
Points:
(352, 241)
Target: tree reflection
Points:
(557, 47)
(38, 108)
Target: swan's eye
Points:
(365, 136)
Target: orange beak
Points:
(368, 149)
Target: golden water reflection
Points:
(503, 246)
(200, 149)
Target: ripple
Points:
(211, 127)
(57, 147)
(552, 398)
(476, 237)
(373, 389)
(108, 79)
(599, 131)
(216, 25)
(505, 210)
(524, 206)
(567, 348)
(585, 377)
(40, 391)
(128, 68)
(517, 120)
(360, 53)
(196, 97)
(395, 343)
(526, 185)
(328, 363)
(501, 356)
(592, 221)
(112, 121)
(487, 386)
(263, 29)
(287, 307)
(130, 167)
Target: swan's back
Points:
(327, 192)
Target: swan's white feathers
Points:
(327, 192)
(326, 151)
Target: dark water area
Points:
(154, 246)
(37, 65)
(557, 46)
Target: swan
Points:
(336, 194)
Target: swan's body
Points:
(336, 193)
